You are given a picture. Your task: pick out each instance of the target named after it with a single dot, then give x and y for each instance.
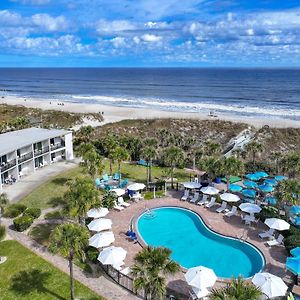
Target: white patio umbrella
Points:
(277, 224)
(97, 212)
(100, 224)
(250, 208)
(119, 192)
(192, 185)
(200, 277)
(229, 197)
(102, 239)
(136, 187)
(112, 256)
(271, 285)
(210, 190)
(200, 293)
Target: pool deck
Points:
(275, 256)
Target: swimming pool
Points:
(194, 244)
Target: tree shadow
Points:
(56, 201)
(41, 233)
(26, 282)
(60, 180)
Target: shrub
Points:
(54, 215)
(258, 166)
(268, 212)
(92, 254)
(14, 210)
(2, 232)
(291, 242)
(22, 223)
(32, 212)
(108, 200)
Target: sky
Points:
(149, 33)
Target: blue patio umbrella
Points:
(293, 264)
(280, 177)
(296, 221)
(250, 184)
(295, 252)
(271, 200)
(261, 174)
(270, 181)
(249, 193)
(249, 200)
(265, 188)
(295, 210)
(253, 177)
(235, 188)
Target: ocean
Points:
(244, 92)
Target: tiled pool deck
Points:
(275, 257)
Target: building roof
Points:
(13, 140)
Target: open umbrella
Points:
(277, 224)
(253, 177)
(249, 193)
(295, 210)
(119, 192)
(136, 187)
(295, 252)
(97, 212)
(100, 224)
(250, 208)
(192, 185)
(280, 177)
(235, 188)
(265, 188)
(271, 200)
(261, 174)
(200, 293)
(270, 181)
(200, 277)
(271, 285)
(209, 190)
(250, 184)
(228, 197)
(112, 256)
(102, 239)
(293, 264)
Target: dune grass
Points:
(26, 276)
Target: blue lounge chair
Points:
(123, 184)
(117, 176)
(133, 236)
(108, 187)
(105, 177)
(142, 162)
(98, 182)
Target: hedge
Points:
(92, 254)
(22, 223)
(268, 212)
(14, 210)
(32, 212)
(2, 232)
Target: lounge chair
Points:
(195, 198)
(123, 184)
(276, 242)
(121, 202)
(117, 176)
(267, 234)
(118, 207)
(105, 177)
(232, 212)
(185, 195)
(211, 203)
(222, 207)
(203, 200)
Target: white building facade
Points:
(24, 151)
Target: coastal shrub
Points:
(92, 254)
(14, 210)
(22, 223)
(54, 215)
(268, 212)
(32, 212)
(251, 167)
(292, 241)
(109, 200)
(2, 232)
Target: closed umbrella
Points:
(271, 285)
(210, 190)
(293, 264)
(253, 177)
(280, 177)
(97, 212)
(296, 251)
(271, 181)
(249, 193)
(235, 188)
(261, 174)
(250, 184)
(136, 187)
(250, 208)
(265, 188)
(112, 256)
(228, 197)
(200, 277)
(191, 185)
(277, 224)
(102, 239)
(119, 192)
(100, 224)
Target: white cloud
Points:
(104, 27)
(151, 38)
(8, 18)
(118, 42)
(32, 2)
(48, 23)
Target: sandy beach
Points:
(113, 114)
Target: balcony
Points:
(25, 157)
(57, 146)
(8, 165)
(44, 150)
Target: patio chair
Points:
(195, 198)
(267, 234)
(117, 176)
(222, 207)
(133, 236)
(231, 213)
(276, 242)
(185, 195)
(118, 207)
(105, 177)
(203, 200)
(123, 184)
(211, 203)
(121, 202)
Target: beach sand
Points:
(114, 113)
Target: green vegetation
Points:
(41, 233)
(32, 212)
(22, 223)
(109, 199)
(26, 276)
(14, 210)
(2, 232)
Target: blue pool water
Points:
(193, 244)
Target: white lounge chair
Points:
(267, 234)
(222, 207)
(211, 203)
(203, 200)
(126, 271)
(195, 198)
(118, 207)
(232, 212)
(185, 195)
(121, 202)
(276, 242)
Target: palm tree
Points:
(276, 156)
(120, 154)
(83, 148)
(151, 265)
(92, 162)
(82, 195)
(148, 153)
(3, 202)
(69, 240)
(291, 164)
(85, 133)
(173, 156)
(288, 191)
(254, 148)
(211, 148)
(212, 166)
(110, 144)
(232, 167)
(237, 289)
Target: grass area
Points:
(27, 276)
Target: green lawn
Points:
(26, 276)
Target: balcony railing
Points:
(57, 146)
(25, 157)
(8, 165)
(44, 150)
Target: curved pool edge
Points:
(142, 242)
